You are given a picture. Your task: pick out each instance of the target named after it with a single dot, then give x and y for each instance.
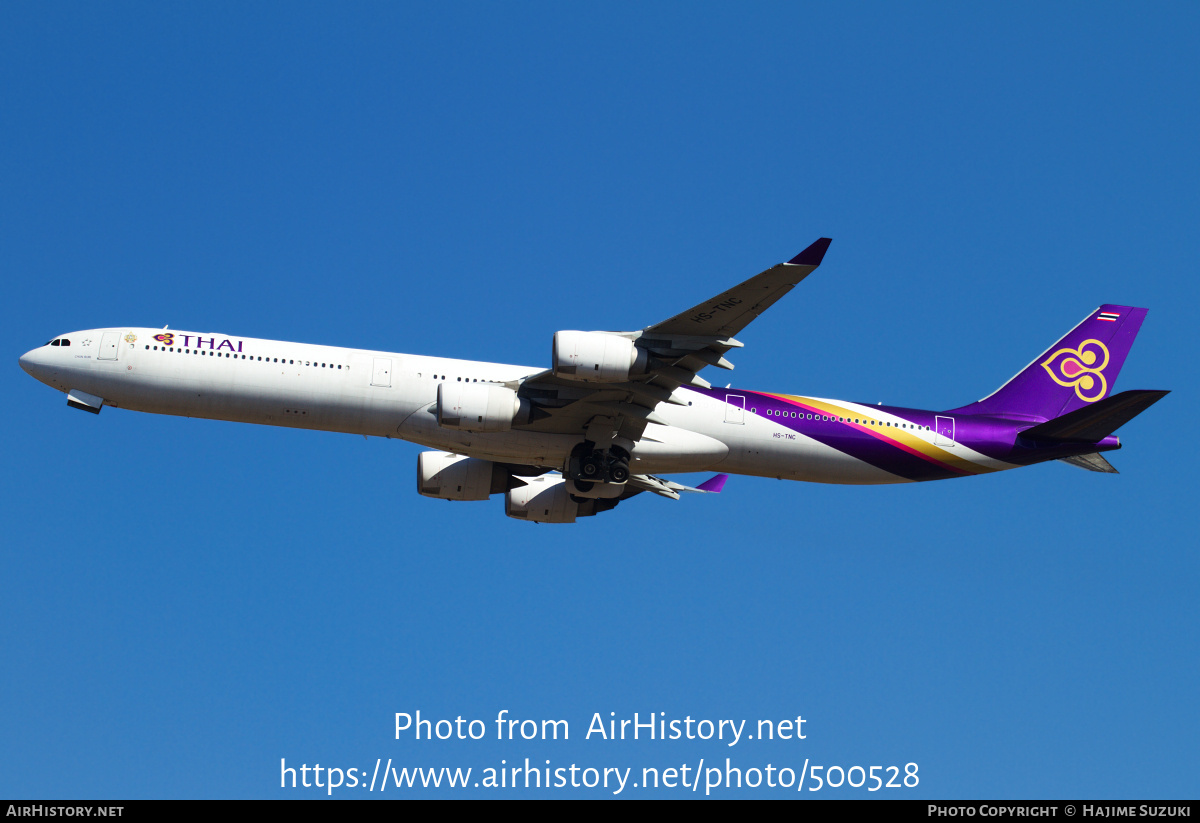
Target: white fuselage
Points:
(386, 394)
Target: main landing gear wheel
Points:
(588, 466)
(591, 467)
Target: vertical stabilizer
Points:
(1075, 372)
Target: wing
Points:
(729, 312)
(670, 354)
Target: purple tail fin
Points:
(1073, 373)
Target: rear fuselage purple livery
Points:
(913, 444)
(989, 435)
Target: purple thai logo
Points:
(1081, 369)
(197, 341)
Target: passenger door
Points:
(109, 341)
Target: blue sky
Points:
(186, 602)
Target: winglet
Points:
(714, 484)
(813, 255)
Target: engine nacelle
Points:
(543, 500)
(596, 357)
(479, 407)
(455, 477)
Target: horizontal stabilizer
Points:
(1092, 462)
(1093, 423)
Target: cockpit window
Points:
(55, 342)
(66, 342)
(61, 341)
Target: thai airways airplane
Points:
(615, 410)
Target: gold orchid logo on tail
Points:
(1081, 369)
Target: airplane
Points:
(615, 410)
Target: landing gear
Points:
(587, 465)
(591, 466)
(618, 471)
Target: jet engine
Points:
(455, 477)
(479, 407)
(548, 500)
(596, 357)
(542, 500)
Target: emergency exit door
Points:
(381, 373)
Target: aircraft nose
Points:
(31, 362)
